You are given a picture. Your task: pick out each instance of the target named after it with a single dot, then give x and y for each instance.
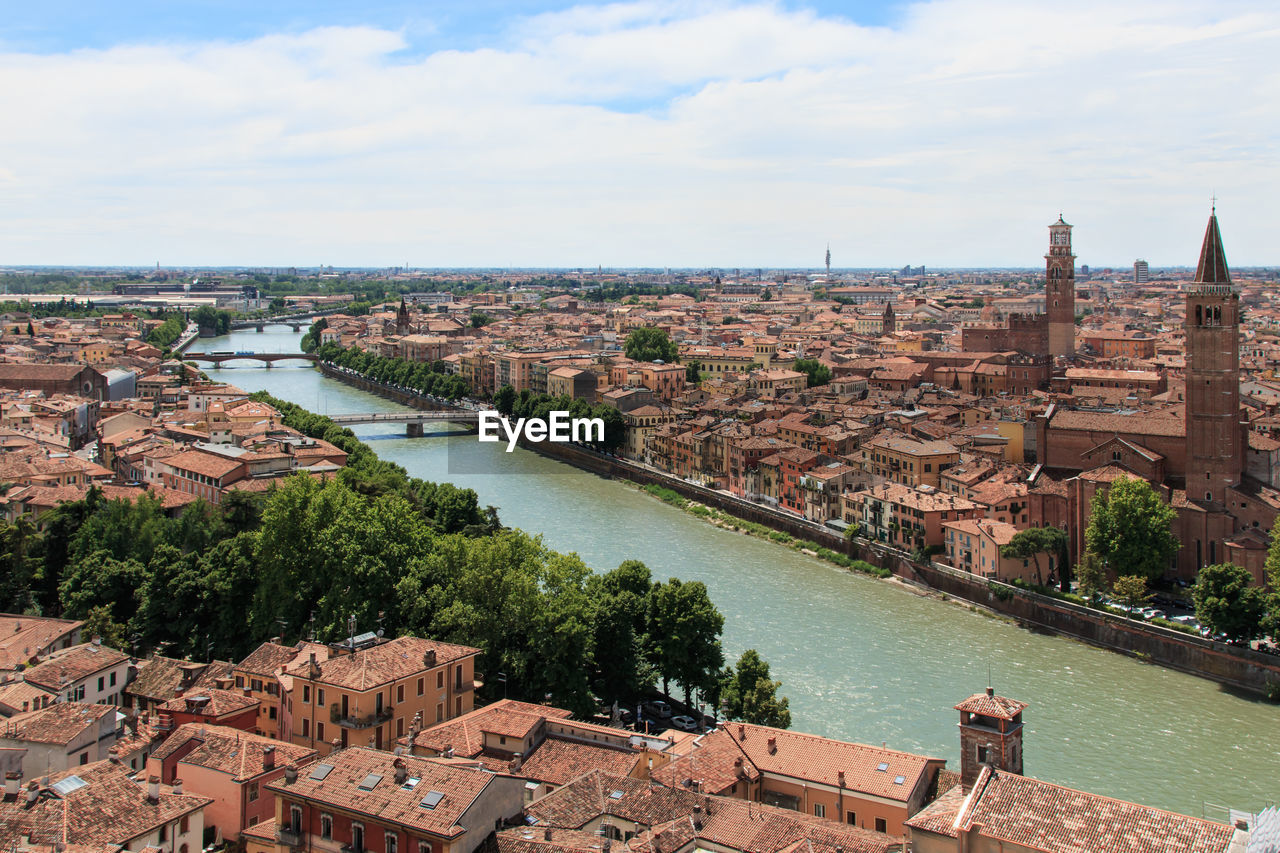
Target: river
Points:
(860, 659)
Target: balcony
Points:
(364, 721)
(288, 835)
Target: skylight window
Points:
(898, 780)
(321, 771)
(69, 784)
(616, 795)
(882, 766)
(432, 799)
(370, 782)
(410, 783)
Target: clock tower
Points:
(1060, 290)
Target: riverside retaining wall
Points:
(1237, 667)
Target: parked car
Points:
(1154, 613)
(658, 708)
(685, 724)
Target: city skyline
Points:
(545, 135)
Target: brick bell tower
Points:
(1060, 290)
(990, 733)
(1216, 436)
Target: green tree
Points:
(685, 629)
(818, 373)
(1131, 591)
(1228, 603)
(31, 330)
(693, 372)
(17, 565)
(480, 320)
(1131, 529)
(1090, 574)
(649, 343)
(1034, 541)
(767, 295)
(749, 694)
(504, 400)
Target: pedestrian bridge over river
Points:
(413, 421)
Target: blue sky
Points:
(649, 132)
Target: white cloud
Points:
(659, 134)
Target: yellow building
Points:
(371, 696)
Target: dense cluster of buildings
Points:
(379, 746)
(86, 402)
(959, 410)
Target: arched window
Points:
(1199, 318)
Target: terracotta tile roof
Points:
(466, 733)
(852, 766)
(390, 661)
(220, 704)
(74, 664)
(939, 817)
(731, 824)
(387, 801)
(510, 723)
(547, 840)
(159, 678)
(59, 723)
(592, 794)
(716, 764)
(1050, 818)
(22, 695)
(23, 637)
(990, 705)
(261, 831)
(267, 659)
(560, 761)
(1150, 423)
(237, 753)
(110, 808)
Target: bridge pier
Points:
(296, 327)
(413, 429)
(258, 327)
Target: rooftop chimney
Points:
(12, 784)
(429, 658)
(153, 789)
(177, 786)
(33, 793)
(291, 774)
(546, 834)
(840, 778)
(773, 745)
(742, 731)
(991, 691)
(697, 817)
(402, 772)
(268, 758)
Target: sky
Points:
(533, 133)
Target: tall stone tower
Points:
(888, 322)
(402, 319)
(1216, 437)
(990, 733)
(1060, 290)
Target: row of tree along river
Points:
(860, 659)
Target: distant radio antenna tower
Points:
(828, 260)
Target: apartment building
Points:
(372, 695)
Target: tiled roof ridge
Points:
(815, 737)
